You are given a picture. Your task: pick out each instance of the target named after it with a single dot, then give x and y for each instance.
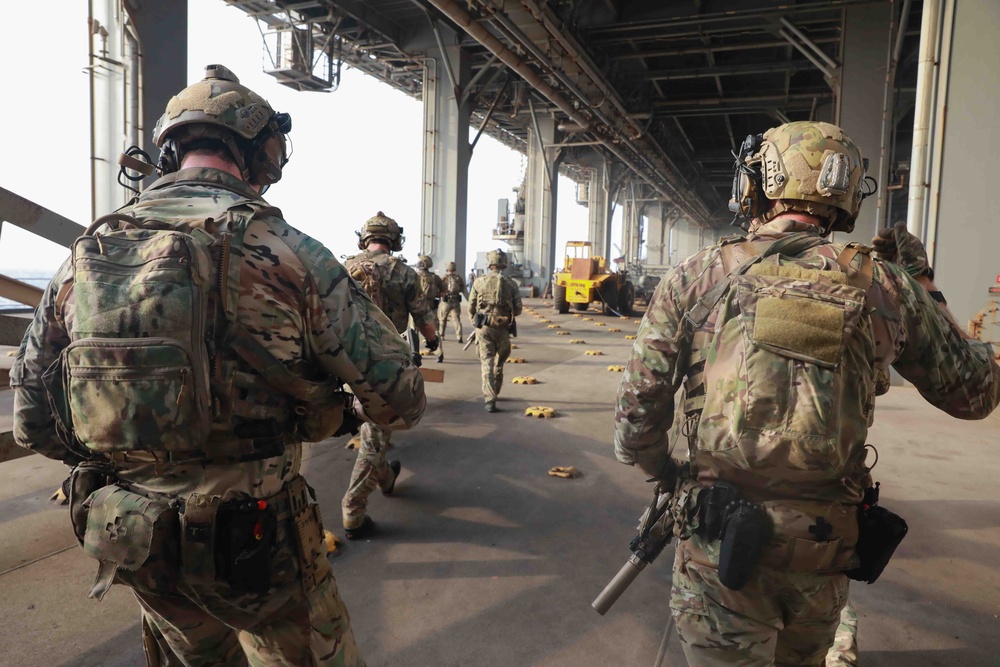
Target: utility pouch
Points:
(245, 537)
(879, 533)
(478, 320)
(512, 329)
(745, 534)
(134, 538)
(86, 478)
(309, 533)
(198, 537)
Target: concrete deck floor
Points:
(482, 559)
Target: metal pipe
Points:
(454, 12)
(904, 17)
(917, 200)
(489, 114)
(444, 56)
(457, 14)
(941, 96)
(538, 139)
(830, 62)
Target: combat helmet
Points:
(220, 109)
(424, 262)
(806, 166)
(496, 258)
(381, 226)
(450, 267)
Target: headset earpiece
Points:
(747, 197)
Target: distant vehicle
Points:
(586, 279)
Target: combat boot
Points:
(366, 528)
(394, 467)
(440, 357)
(491, 406)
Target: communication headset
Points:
(747, 200)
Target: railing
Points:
(38, 220)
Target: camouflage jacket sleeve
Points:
(45, 339)
(515, 297)
(656, 367)
(353, 340)
(953, 373)
(416, 303)
(473, 300)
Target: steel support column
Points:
(868, 39)
(446, 154)
(597, 208)
(162, 30)
(540, 203)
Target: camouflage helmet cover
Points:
(496, 258)
(424, 262)
(450, 267)
(220, 107)
(812, 162)
(383, 227)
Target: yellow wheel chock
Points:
(588, 319)
(593, 353)
(564, 333)
(600, 324)
(516, 360)
(615, 330)
(616, 368)
(629, 337)
(540, 411)
(524, 379)
(555, 326)
(577, 341)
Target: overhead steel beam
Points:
(726, 70)
(667, 105)
(779, 8)
(715, 48)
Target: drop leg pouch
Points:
(879, 533)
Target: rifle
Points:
(414, 341)
(472, 337)
(655, 531)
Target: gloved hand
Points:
(896, 245)
(432, 345)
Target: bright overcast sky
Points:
(356, 151)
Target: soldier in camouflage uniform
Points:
(494, 302)
(781, 363)
(432, 286)
(395, 288)
(171, 523)
(451, 304)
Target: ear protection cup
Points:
(747, 197)
(168, 162)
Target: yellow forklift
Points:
(586, 279)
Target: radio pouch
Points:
(245, 536)
(746, 533)
(123, 530)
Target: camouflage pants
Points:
(845, 645)
(494, 348)
(309, 629)
(371, 471)
(448, 311)
(778, 618)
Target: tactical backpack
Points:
(453, 285)
(369, 274)
(771, 388)
(492, 302)
(153, 308)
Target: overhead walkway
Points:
(483, 559)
